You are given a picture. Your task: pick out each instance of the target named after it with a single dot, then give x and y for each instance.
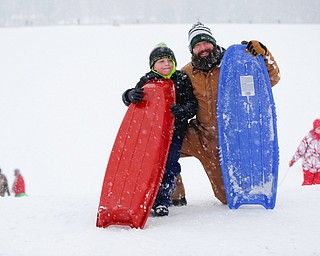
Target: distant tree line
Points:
(78, 12)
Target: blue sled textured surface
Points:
(248, 142)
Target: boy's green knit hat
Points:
(161, 51)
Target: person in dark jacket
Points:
(163, 65)
(3, 185)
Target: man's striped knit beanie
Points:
(199, 33)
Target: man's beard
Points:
(209, 62)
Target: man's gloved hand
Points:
(178, 111)
(255, 48)
(135, 95)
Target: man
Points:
(201, 140)
(3, 185)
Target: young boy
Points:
(163, 65)
(309, 149)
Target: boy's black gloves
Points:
(135, 95)
(146, 78)
(255, 48)
(178, 111)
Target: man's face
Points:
(203, 49)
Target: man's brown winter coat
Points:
(201, 140)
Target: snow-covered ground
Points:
(60, 98)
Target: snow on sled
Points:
(248, 142)
(137, 161)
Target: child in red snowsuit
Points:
(18, 187)
(309, 149)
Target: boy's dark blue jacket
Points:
(184, 97)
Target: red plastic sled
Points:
(137, 161)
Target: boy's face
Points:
(317, 130)
(163, 66)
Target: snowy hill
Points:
(61, 108)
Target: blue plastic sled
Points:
(248, 142)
